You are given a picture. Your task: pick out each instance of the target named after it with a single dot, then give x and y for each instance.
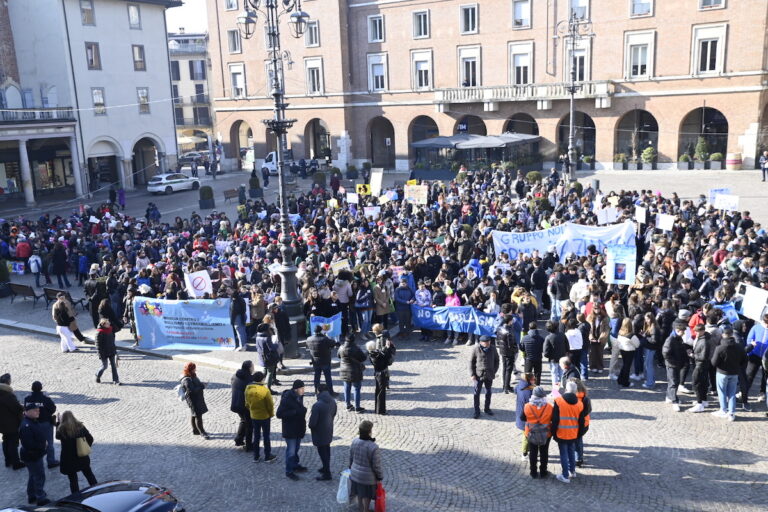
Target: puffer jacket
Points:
(11, 411)
(484, 363)
(238, 383)
(352, 358)
(105, 342)
(365, 462)
(627, 344)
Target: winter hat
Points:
(298, 383)
(539, 392)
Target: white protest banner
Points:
(525, 243)
(198, 283)
(221, 246)
(353, 198)
(377, 175)
(727, 202)
(576, 238)
(714, 192)
(665, 222)
(754, 304)
(416, 194)
(607, 215)
(621, 264)
(372, 211)
(641, 214)
(338, 266)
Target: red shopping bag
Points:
(381, 498)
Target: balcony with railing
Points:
(36, 115)
(199, 99)
(199, 121)
(187, 48)
(544, 94)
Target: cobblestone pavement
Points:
(640, 456)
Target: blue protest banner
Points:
(183, 324)
(331, 326)
(455, 318)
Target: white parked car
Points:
(172, 182)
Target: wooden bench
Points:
(231, 194)
(50, 296)
(24, 290)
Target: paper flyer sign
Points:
(621, 263)
(416, 194)
(665, 222)
(641, 214)
(372, 211)
(713, 192)
(613, 201)
(198, 283)
(383, 199)
(377, 175)
(727, 202)
(338, 266)
(353, 198)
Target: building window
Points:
(638, 54)
(376, 29)
(230, 5)
(708, 49)
(638, 64)
(178, 113)
(237, 80)
(521, 13)
(469, 19)
(175, 72)
(580, 8)
(134, 16)
(421, 24)
(521, 57)
(314, 73)
(139, 62)
(422, 69)
(233, 36)
(175, 94)
(202, 116)
(92, 55)
(197, 69)
(86, 12)
(640, 7)
(377, 72)
(312, 36)
(577, 60)
(469, 66)
(142, 93)
(711, 4)
(99, 105)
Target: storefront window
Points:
(10, 178)
(52, 174)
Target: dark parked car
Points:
(118, 496)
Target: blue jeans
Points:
(348, 391)
(637, 366)
(556, 311)
(567, 456)
(36, 480)
(241, 338)
(326, 371)
(364, 319)
(615, 324)
(259, 427)
(556, 372)
(66, 281)
(584, 362)
(580, 448)
(650, 366)
(726, 391)
(50, 451)
(292, 445)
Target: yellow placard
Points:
(412, 182)
(363, 189)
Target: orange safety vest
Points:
(568, 428)
(581, 399)
(535, 415)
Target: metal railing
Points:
(189, 48)
(527, 92)
(23, 115)
(199, 121)
(199, 98)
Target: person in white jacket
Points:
(627, 343)
(36, 267)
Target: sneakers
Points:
(667, 400)
(635, 377)
(270, 458)
(745, 407)
(731, 417)
(455, 342)
(561, 478)
(447, 341)
(646, 386)
(697, 408)
(523, 456)
(292, 476)
(573, 474)
(705, 404)
(360, 409)
(488, 412)
(350, 407)
(683, 389)
(614, 377)
(720, 414)
(676, 407)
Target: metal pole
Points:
(571, 128)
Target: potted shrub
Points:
(533, 177)
(701, 153)
(254, 188)
(620, 162)
(367, 166)
(684, 162)
(321, 178)
(716, 161)
(633, 164)
(419, 166)
(649, 157)
(206, 198)
(455, 166)
(589, 162)
(351, 172)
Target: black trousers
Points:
(540, 453)
(244, 430)
(478, 387)
(701, 381)
(197, 425)
(94, 309)
(754, 365)
(325, 457)
(74, 485)
(508, 366)
(382, 379)
(627, 356)
(11, 448)
(534, 367)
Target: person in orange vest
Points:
(581, 394)
(538, 412)
(567, 421)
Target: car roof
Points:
(168, 174)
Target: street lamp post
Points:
(272, 11)
(572, 30)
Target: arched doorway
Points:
(317, 139)
(146, 162)
(584, 134)
(470, 124)
(240, 141)
(522, 123)
(103, 158)
(381, 142)
(421, 128)
(636, 131)
(705, 122)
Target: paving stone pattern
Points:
(641, 456)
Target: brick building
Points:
(371, 76)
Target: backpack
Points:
(181, 394)
(538, 433)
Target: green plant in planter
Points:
(541, 203)
(533, 177)
(455, 166)
(254, 183)
(702, 150)
(716, 157)
(620, 158)
(419, 166)
(649, 155)
(588, 159)
(578, 187)
(367, 166)
(206, 193)
(685, 157)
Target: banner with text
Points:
(455, 318)
(525, 243)
(183, 324)
(576, 238)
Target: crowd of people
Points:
(551, 308)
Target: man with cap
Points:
(34, 444)
(293, 415)
(483, 365)
(46, 419)
(95, 291)
(537, 411)
(11, 413)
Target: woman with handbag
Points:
(365, 467)
(76, 444)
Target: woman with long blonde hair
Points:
(68, 433)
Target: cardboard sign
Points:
(665, 222)
(363, 189)
(198, 283)
(607, 215)
(383, 199)
(713, 192)
(641, 214)
(377, 176)
(727, 202)
(353, 198)
(416, 194)
(338, 266)
(621, 263)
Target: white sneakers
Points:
(563, 479)
(697, 408)
(667, 400)
(636, 377)
(731, 417)
(573, 474)
(676, 407)
(720, 414)
(683, 389)
(614, 377)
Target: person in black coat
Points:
(282, 327)
(237, 318)
(320, 346)
(33, 447)
(351, 371)
(483, 365)
(105, 344)
(505, 342)
(555, 347)
(68, 432)
(46, 419)
(293, 415)
(193, 394)
(381, 359)
(675, 354)
(59, 264)
(95, 291)
(240, 380)
(532, 345)
(11, 413)
(321, 426)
